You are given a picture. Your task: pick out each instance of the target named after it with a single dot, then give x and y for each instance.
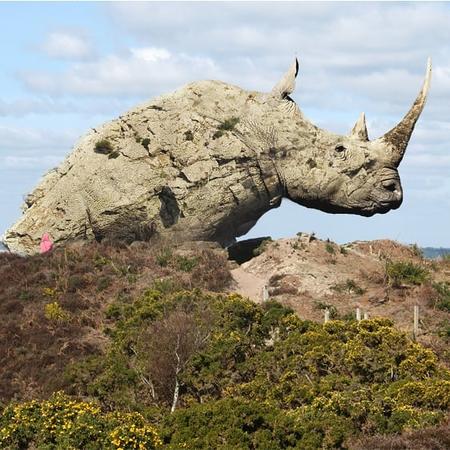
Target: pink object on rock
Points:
(46, 243)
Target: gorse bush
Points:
(405, 272)
(63, 423)
(55, 313)
(236, 372)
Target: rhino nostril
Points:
(390, 185)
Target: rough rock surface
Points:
(204, 163)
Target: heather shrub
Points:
(83, 279)
(436, 438)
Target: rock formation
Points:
(205, 163)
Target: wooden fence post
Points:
(327, 315)
(358, 314)
(416, 321)
(265, 293)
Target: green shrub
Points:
(64, 423)
(103, 283)
(54, 312)
(164, 256)
(329, 247)
(226, 125)
(305, 385)
(185, 263)
(104, 147)
(402, 272)
(331, 308)
(442, 301)
(75, 282)
(444, 329)
(349, 286)
(230, 424)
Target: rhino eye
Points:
(340, 148)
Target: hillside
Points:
(382, 278)
(141, 330)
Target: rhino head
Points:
(347, 174)
(205, 163)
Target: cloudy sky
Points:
(67, 67)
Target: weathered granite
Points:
(205, 163)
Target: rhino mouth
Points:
(382, 207)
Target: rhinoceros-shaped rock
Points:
(205, 163)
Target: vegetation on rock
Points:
(226, 125)
(103, 146)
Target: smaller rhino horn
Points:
(360, 129)
(287, 84)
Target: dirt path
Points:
(248, 285)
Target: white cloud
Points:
(67, 45)
(45, 105)
(352, 56)
(150, 54)
(138, 71)
(23, 141)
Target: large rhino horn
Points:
(287, 84)
(399, 136)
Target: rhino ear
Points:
(360, 129)
(287, 84)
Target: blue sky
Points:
(67, 67)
